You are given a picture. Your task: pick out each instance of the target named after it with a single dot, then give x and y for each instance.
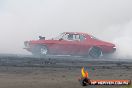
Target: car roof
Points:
(77, 33)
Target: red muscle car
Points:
(70, 43)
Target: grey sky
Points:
(27, 19)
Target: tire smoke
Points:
(123, 41)
(121, 36)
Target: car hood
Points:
(42, 41)
(107, 43)
(100, 42)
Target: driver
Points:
(70, 37)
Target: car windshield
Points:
(59, 36)
(93, 37)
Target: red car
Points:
(70, 43)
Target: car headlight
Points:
(114, 47)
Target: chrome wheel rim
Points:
(43, 51)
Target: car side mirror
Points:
(60, 39)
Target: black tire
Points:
(95, 52)
(40, 50)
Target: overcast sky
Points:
(22, 20)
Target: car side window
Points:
(73, 37)
(68, 37)
(76, 37)
(82, 37)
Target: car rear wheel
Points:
(95, 52)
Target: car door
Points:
(81, 45)
(67, 45)
(78, 45)
(72, 44)
(61, 46)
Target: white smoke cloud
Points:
(121, 36)
(22, 20)
(124, 40)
